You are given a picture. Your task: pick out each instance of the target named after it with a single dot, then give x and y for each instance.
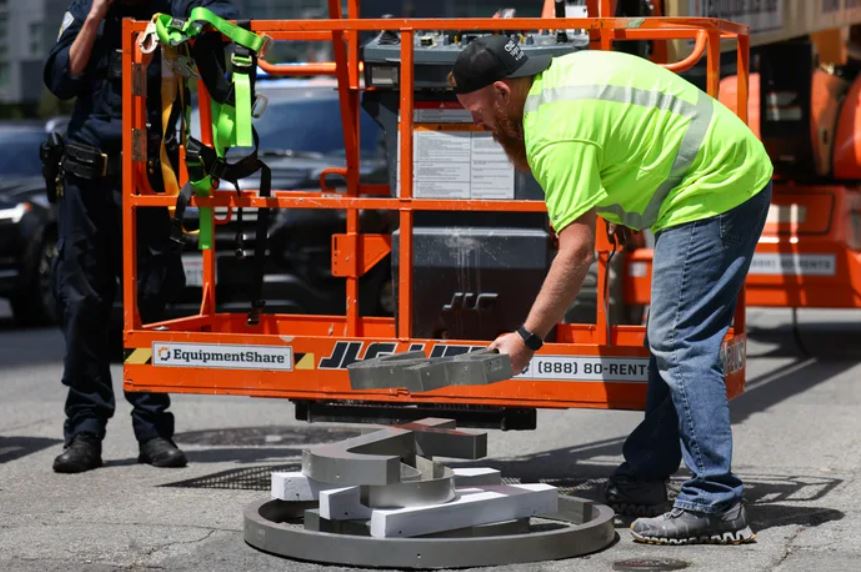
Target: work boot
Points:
(629, 497)
(681, 526)
(82, 454)
(161, 452)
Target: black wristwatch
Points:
(532, 341)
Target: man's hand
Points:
(512, 345)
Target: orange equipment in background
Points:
(303, 357)
(809, 255)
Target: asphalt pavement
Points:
(797, 446)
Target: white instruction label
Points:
(220, 356)
(586, 368)
(459, 164)
(793, 264)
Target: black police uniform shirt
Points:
(97, 116)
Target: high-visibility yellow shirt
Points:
(638, 143)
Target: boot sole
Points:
(743, 536)
(74, 470)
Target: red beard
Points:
(509, 134)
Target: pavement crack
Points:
(149, 551)
(787, 548)
(187, 526)
(194, 541)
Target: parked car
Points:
(28, 228)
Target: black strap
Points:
(176, 226)
(260, 242)
(202, 161)
(208, 54)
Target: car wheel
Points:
(35, 304)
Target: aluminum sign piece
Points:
(417, 373)
(389, 455)
(381, 499)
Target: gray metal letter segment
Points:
(417, 373)
(372, 459)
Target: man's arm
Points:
(82, 47)
(570, 174)
(563, 281)
(57, 73)
(560, 288)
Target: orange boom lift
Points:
(303, 357)
(805, 104)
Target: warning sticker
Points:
(794, 264)
(222, 356)
(586, 368)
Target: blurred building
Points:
(27, 31)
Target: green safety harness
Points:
(198, 42)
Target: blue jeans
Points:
(698, 271)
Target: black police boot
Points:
(83, 454)
(161, 452)
(629, 497)
(680, 526)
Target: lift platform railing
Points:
(303, 357)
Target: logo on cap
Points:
(512, 48)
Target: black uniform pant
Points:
(87, 277)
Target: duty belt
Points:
(89, 162)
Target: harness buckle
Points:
(148, 41)
(218, 168)
(195, 166)
(241, 59)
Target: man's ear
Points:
(501, 92)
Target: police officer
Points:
(86, 63)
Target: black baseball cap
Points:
(491, 58)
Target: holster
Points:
(51, 154)
(88, 162)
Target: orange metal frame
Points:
(322, 345)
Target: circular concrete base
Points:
(580, 527)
